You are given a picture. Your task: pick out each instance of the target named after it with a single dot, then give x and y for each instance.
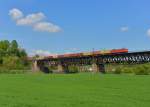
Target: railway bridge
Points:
(98, 59)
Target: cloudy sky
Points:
(62, 26)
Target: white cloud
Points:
(42, 53)
(46, 27)
(15, 14)
(148, 32)
(31, 19)
(124, 29)
(34, 20)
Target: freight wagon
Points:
(102, 52)
(124, 50)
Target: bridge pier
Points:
(35, 66)
(98, 68)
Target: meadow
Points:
(74, 90)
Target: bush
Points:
(73, 69)
(139, 69)
(117, 70)
(127, 70)
(12, 62)
(142, 70)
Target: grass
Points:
(74, 90)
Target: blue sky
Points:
(60, 26)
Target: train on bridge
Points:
(97, 59)
(94, 53)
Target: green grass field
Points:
(74, 90)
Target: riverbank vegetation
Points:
(137, 69)
(13, 58)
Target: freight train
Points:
(95, 53)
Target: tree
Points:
(4, 47)
(36, 56)
(14, 44)
(23, 57)
(22, 53)
(12, 62)
(11, 56)
(13, 49)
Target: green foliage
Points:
(142, 70)
(13, 62)
(6, 71)
(22, 53)
(127, 70)
(4, 47)
(117, 70)
(73, 69)
(139, 69)
(14, 48)
(12, 57)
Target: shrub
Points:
(139, 69)
(73, 69)
(127, 70)
(118, 70)
(142, 70)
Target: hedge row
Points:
(143, 69)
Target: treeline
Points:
(12, 57)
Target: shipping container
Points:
(61, 56)
(87, 53)
(97, 52)
(124, 50)
(71, 55)
(105, 52)
(102, 52)
(48, 57)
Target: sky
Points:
(63, 26)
